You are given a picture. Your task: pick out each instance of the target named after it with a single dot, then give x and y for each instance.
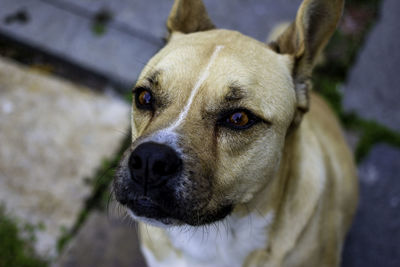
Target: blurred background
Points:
(66, 71)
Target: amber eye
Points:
(239, 119)
(144, 99)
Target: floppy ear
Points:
(305, 38)
(188, 16)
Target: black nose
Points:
(151, 164)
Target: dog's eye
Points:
(238, 120)
(144, 99)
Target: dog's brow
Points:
(153, 78)
(236, 93)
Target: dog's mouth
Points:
(177, 201)
(145, 209)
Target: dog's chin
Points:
(146, 211)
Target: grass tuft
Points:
(16, 245)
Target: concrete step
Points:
(105, 240)
(53, 136)
(65, 28)
(376, 228)
(252, 17)
(118, 54)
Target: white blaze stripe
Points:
(196, 87)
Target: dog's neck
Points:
(221, 243)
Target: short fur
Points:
(282, 193)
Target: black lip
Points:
(146, 207)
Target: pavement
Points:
(65, 28)
(372, 92)
(104, 240)
(136, 33)
(53, 136)
(374, 238)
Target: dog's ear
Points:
(188, 16)
(305, 38)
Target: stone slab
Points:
(64, 28)
(372, 89)
(375, 235)
(53, 135)
(255, 18)
(252, 17)
(138, 16)
(104, 240)
(118, 54)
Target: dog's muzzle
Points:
(152, 183)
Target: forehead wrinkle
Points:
(236, 92)
(153, 78)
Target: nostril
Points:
(135, 162)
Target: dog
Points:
(234, 160)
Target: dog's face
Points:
(212, 106)
(210, 115)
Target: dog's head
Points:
(211, 112)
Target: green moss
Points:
(99, 28)
(100, 21)
(128, 96)
(328, 88)
(372, 133)
(16, 250)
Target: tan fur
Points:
(294, 168)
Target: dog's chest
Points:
(227, 243)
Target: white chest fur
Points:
(224, 244)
